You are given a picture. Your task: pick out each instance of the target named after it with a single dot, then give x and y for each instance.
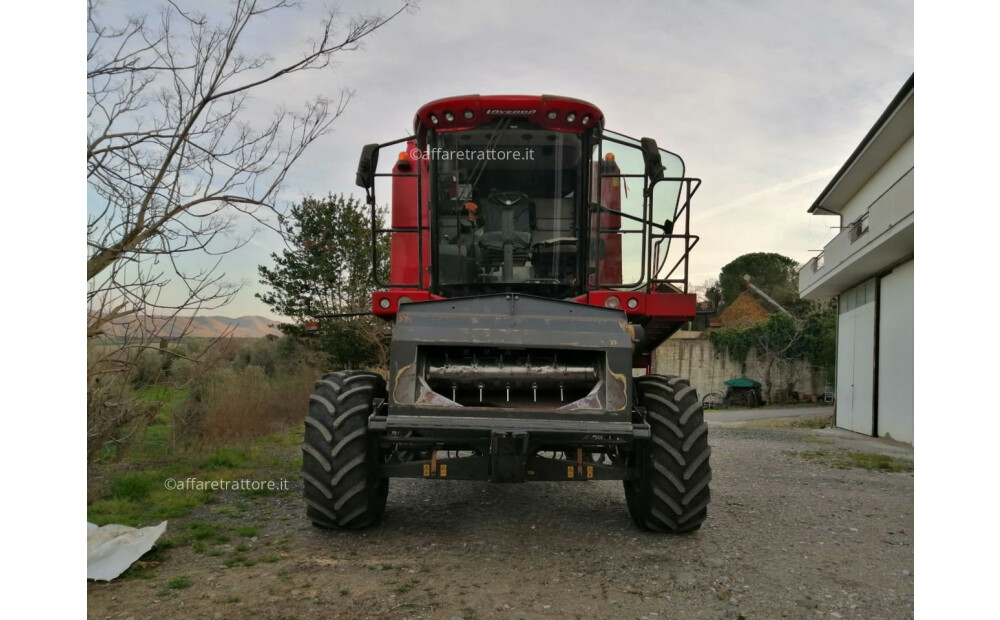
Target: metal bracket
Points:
(508, 457)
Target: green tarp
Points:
(743, 382)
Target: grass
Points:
(247, 531)
(812, 439)
(850, 459)
(207, 532)
(178, 583)
(132, 487)
(133, 491)
(406, 587)
(226, 458)
(157, 505)
(139, 496)
(156, 441)
(877, 462)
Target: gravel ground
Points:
(785, 537)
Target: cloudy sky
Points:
(764, 100)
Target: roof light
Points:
(403, 162)
(552, 115)
(571, 117)
(585, 119)
(612, 302)
(448, 116)
(632, 303)
(468, 114)
(434, 119)
(609, 157)
(384, 303)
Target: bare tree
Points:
(173, 162)
(778, 344)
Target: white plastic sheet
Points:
(112, 548)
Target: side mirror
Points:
(654, 163)
(366, 167)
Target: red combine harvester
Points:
(537, 259)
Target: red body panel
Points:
(392, 299)
(674, 307)
(532, 107)
(403, 263)
(610, 192)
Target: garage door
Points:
(895, 354)
(856, 358)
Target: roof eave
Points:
(889, 112)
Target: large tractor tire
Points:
(672, 493)
(340, 462)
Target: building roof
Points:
(745, 311)
(891, 130)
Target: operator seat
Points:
(506, 234)
(494, 235)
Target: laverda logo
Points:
(517, 112)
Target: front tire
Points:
(672, 494)
(340, 463)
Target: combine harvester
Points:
(537, 260)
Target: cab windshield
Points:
(506, 209)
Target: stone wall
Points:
(692, 356)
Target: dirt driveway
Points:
(786, 536)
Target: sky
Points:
(764, 100)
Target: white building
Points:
(869, 267)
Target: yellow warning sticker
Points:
(444, 471)
(569, 471)
(427, 470)
(590, 471)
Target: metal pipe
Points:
(457, 373)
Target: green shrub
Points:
(132, 487)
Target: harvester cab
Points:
(537, 260)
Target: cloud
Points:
(764, 100)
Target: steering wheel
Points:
(508, 199)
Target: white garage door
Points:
(856, 358)
(895, 353)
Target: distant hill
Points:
(200, 327)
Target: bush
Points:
(132, 487)
(149, 368)
(203, 390)
(184, 370)
(115, 415)
(232, 406)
